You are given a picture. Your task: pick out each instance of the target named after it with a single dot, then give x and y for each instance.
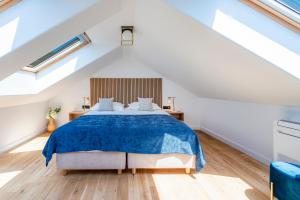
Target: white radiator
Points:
(287, 141)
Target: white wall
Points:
(19, 123)
(71, 99)
(246, 126)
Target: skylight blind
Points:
(56, 54)
(291, 4)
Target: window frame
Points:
(58, 56)
(278, 12)
(5, 4)
(290, 8)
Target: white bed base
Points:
(98, 160)
(94, 160)
(161, 161)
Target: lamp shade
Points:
(171, 103)
(127, 35)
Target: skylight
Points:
(58, 53)
(287, 10)
(293, 5)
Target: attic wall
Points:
(71, 99)
(20, 123)
(246, 126)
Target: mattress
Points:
(127, 112)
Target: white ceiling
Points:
(206, 62)
(188, 52)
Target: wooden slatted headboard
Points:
(126, 90)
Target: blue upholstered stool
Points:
(285, 181)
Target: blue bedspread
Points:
(148, 134)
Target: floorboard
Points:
(228, 174)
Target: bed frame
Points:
(124, 90)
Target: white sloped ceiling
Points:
(205, 61)
(182, 47)
(57, 88)
(25, 87)
(32, 28)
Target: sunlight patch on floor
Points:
(36, 144)
(228, 183)
(7, 176)
(177, 186)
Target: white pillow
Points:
(117, 106)
(105, 104)
(145, 104)
(135, 106)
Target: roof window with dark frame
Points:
(58, 53)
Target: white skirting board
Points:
(194, 127)
(18, 142)
(237, 146)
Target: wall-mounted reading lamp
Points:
(171, 103)
(127, 35)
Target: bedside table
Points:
(75, 114)
(177, 114)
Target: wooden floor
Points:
(229, 174)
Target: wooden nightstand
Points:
(75, 114)
(177, 114)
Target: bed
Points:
(101, 140)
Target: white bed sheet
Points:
(127, 112)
